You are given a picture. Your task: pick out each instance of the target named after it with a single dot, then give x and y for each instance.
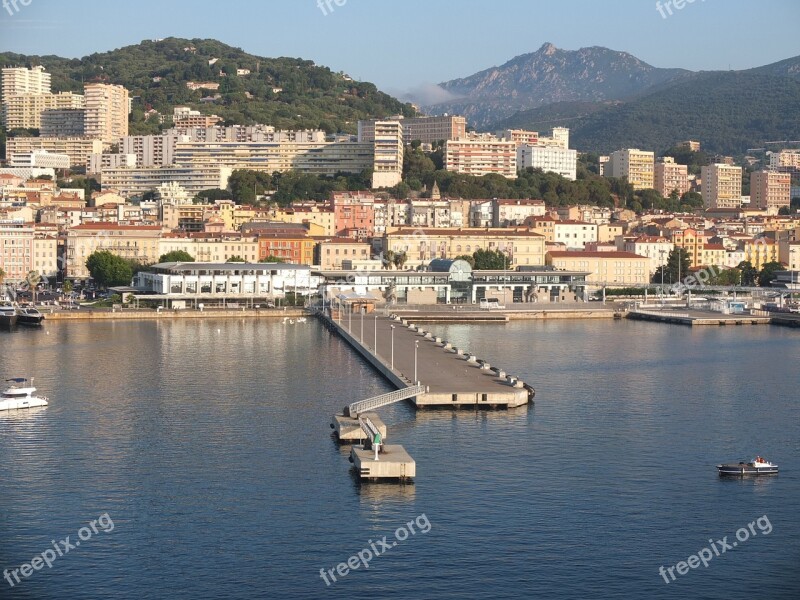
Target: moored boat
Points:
(21, 395)
(29, 316)
(757, 466)
(8, 316)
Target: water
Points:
(207, 443)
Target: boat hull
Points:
(744, 469)
(30, 320)
(22, 403)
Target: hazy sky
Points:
(402, 44)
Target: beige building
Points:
(330, 253)
(481, 157)
(20, 80)
(421, 245)
(211, 248)
(79, 150)
(107, 109)
(721, 186)
(24, 111)
(770, 189)
(670, 176)
(655, 248)
(614, 268)
(387, 169)
(637, 166)
(195, 179)
(133, 242)
(16, 250)
(319, 216)
(45, 251)
(427, 130)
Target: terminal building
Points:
(448, 281)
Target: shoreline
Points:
(150, 315)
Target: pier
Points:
(695, 318)
(427, 370)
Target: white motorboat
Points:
(21, 395)
(757, 466)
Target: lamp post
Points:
(350, 319)
(375, 341)
(392, 363)
(416, 347)
(363, 310)
(661, 252)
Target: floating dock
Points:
(695, 318)
(348, 429)
(393, 463)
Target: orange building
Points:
(291, 248)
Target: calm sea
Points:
(207, 444)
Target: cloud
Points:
(424, 94)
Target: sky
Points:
(403, 45)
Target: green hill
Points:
(156, 72)
(728, 112)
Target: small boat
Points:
(8, 316)
(29, 316)
(757, 466)
(21, 395)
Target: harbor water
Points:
(207, 445)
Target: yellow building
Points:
(24, 111)
(107, 110)
(638, 166)
(693, 241)
(210, 247)
(521, 245)
(616, 268)
(134, 242)
(322, 217)
(770, 188)
(721, 186)
(79, 150)
(761, 251)
(330, 253)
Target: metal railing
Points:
(356, 408)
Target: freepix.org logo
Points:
(13, 6)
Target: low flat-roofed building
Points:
(617, 268)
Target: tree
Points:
(726, 277)
(490, 260)
(272, 259)
(176, 256)
(2, 276)
(676, 269)
(400, 259)
(388, 259)
(236, 259)
(749, 273)
(67, 287)
(767, 273)
(467, 257)
(108, 269)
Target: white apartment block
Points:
(19, 80)
(655, 248)
(721, 186)
(427, 130)
(550, 159)
(770, 189)
(670, 176)
(636, 165)
(24, 111)
(481, 157)
(509, 213)
(40, 158)
(574, 234)
(98, 162)
(387, 170)
(79, 150)
(135, 182)
(107, 110)
(152, 150)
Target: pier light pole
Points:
(392, 347)
(416, 347)
(363, 310)
(375, 341)
(350, 319)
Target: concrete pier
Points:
(348, 430)
(393, 463)
(695, 318)
(453, 379)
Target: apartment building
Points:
(506, 213)
(354, 214)
(428, 130)
(98, 162)
(519, 136)
(39, 158)
(152, 150)
(62, 122)
(480, 157)
(133, 242)
(421, 245)
(135, 182)
(785, 160)
(655, 248)
(45, 251)
(550, 159)
(20, 80)
(24, 111)
(297, 249)
(16, 249)
(107, 109)
(210, 247)
(319, 216)
(770, 189)
(79, 150)
(330, 253)
(574, 234)
(637, 166)
(185, 117)
(693, 241)
(387, 170)
(617, 268)
(721, 186)
(670, 176)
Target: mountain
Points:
(728, 112)
(550, 75)
(288, 93)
